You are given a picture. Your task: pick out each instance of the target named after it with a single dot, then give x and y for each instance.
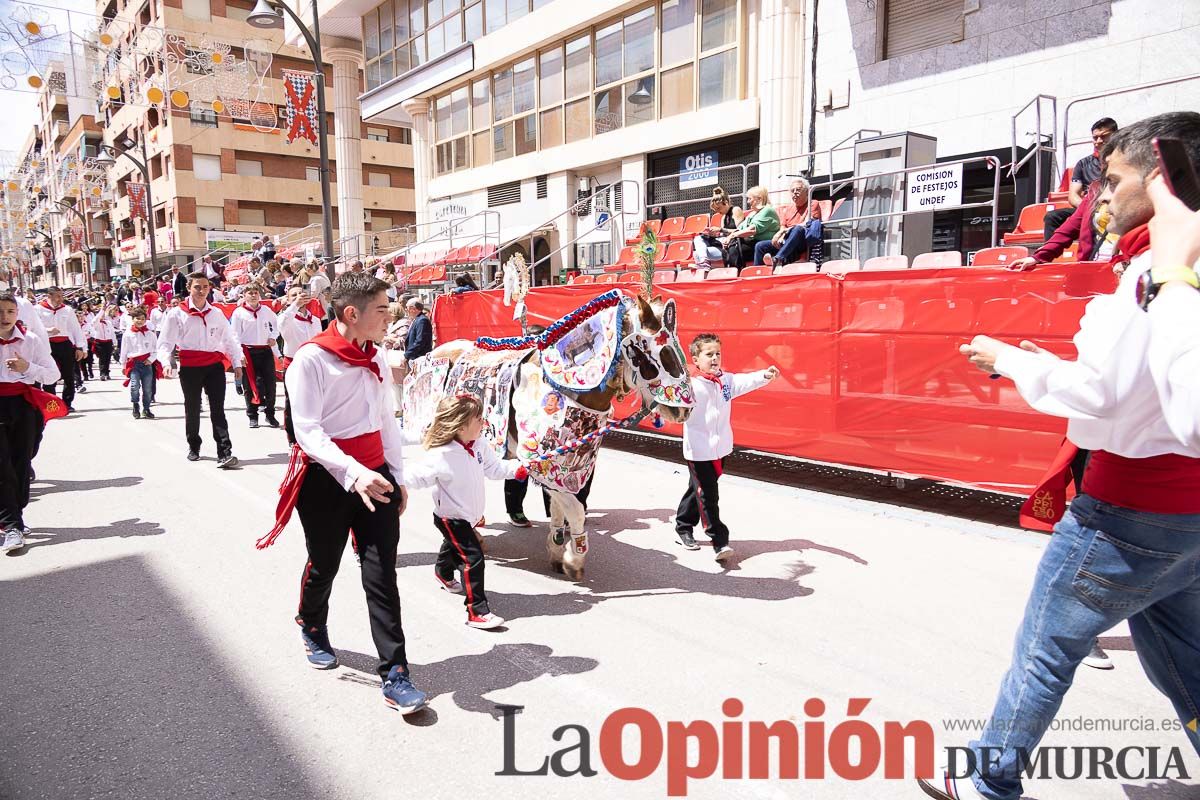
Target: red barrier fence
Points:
(871, 374)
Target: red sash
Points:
(1164, 484)
(158, 370)
(249, 366)
(201, 358)
(366, 449)
(60, 338)
(50, 406)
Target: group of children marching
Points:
(346, 472)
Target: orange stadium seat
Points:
(678, 253)
(998, 256)
(1031, 224)
(948, 258)
(672, 229)
(583, 279)
(880, 263)
(608, 277)
(798, 268)
(652, 224)
(760, 271)
(722, 273)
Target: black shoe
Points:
(227, 462)
(274, 423)
(81, 388)
(147, 415)
(687, 540)
(253, 423)
(136, 414)
(104, 377)
(193, 455)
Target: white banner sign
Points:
(934, 187)
(231, 241)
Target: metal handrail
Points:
(992, 161)
(589, 200)
(448, 227)
(1066, 143)
(1038, 147)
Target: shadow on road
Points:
(127, 698)
(468, 678)
(41, 537)
(47, 486)
(275, 459)
(1166, 790)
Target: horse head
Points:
(653, 361)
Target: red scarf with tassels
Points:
(367, 449)
(1048, 502)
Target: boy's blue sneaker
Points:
(317, 647)
(400, 694)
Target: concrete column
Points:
(347, 143)
(418, 109)
(782, 97)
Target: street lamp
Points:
(107, 159)
(269, 14)
(31, 238)
(87, 238)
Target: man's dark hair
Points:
(53, 289)
(8, 296)
(1135, 142)
(197, 276)
(355, 289)
(1105, 124)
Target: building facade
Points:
(522, 107)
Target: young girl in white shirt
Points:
(457, 464)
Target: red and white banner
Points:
(137, 200)
(77, 238)
(300, 110)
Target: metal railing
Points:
(1039, 145)
(992, 161)
(448, 231)
(589, 201)
(1067, 143)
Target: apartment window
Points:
(203, 117)
(377, 134)
(504, 194)
(380, 180)
(312, 174)
(912, 25)
(380, 222)
(206, 168)
(452, 130)
(252, 216)
(196, 9)
(718, 51)
(251, 169)
(210, 217)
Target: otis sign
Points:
(698, 169)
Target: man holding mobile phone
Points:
(1128, 548)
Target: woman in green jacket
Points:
(761, 223)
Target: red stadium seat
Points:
(608, 277)
(664, 276)
(882, 263)
(1070, 255)
(760, 271)
(693, 226)
(839, 266)
(672, 229)
(474, 253)
(629, 277)
(678, 253)
(690, 276)
(948, 258)
(797, 268)
(583, 279)
(652, 224)
(660, 256)
(998, 256)
(624, 261)
(715, 220)
(489, 252)
(722, 273)
(1031, 224)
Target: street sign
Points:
(933, 188)
(602, 218)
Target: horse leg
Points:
(557, 536)
(576, 545)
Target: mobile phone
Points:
(1178, 171)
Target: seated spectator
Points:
(759, 225)
(708, 244)
(464, 283)
(1086, 172)
(267, 251)
(1086, 225)
(799, 234)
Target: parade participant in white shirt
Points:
(298, 324)
(67, 342)
(158, 314)
(347, 472)
(1129, 545)
(139, 362)
(255, 329)
(104, 333)
(24, 361)
(205, 342)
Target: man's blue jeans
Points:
(789, 250)
(1104, 564)
(141, 384)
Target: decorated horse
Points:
(548, 398)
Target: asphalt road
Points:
(149, 649)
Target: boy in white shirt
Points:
(255, 329)
(708, 438)
(139, 348)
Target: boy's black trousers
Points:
(701, 502)
(211, 381)
(20, 429)
(328, 512)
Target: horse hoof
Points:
(574, 574)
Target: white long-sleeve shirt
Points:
(191, 332)
(135, 343)
(28, 316)
(708, 433)
(257, 328)
(330, 400)
(456, 475)
(157, 317)
(104, 329)
(297, 329)
(65, 320)
(1108, 394)
(29, 346)
(1175, 361)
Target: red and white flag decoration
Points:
(137, 200)
(300, 110)
(76, 238)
